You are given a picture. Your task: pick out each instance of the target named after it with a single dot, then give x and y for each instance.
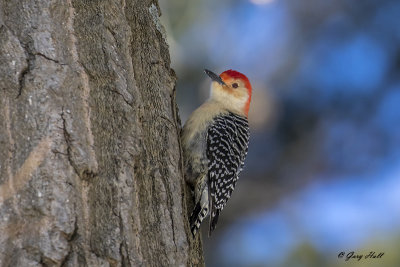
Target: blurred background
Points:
(323, 169)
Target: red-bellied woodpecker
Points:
(215, 140)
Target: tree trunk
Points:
(90, 158)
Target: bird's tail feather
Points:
(213, 221)
(198, 215)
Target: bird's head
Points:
(232, 89)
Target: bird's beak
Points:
(214, 77)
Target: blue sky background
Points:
(323, 169)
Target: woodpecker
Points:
(215, 141)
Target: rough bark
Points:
(90, 159)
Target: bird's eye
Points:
(235, 85)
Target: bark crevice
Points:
(68, 142)
(30, 60)
(48, 58)
(84, 174)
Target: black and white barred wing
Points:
(227, 143)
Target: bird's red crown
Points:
(233, 74)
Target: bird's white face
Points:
(234, 95)
(232, 90)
